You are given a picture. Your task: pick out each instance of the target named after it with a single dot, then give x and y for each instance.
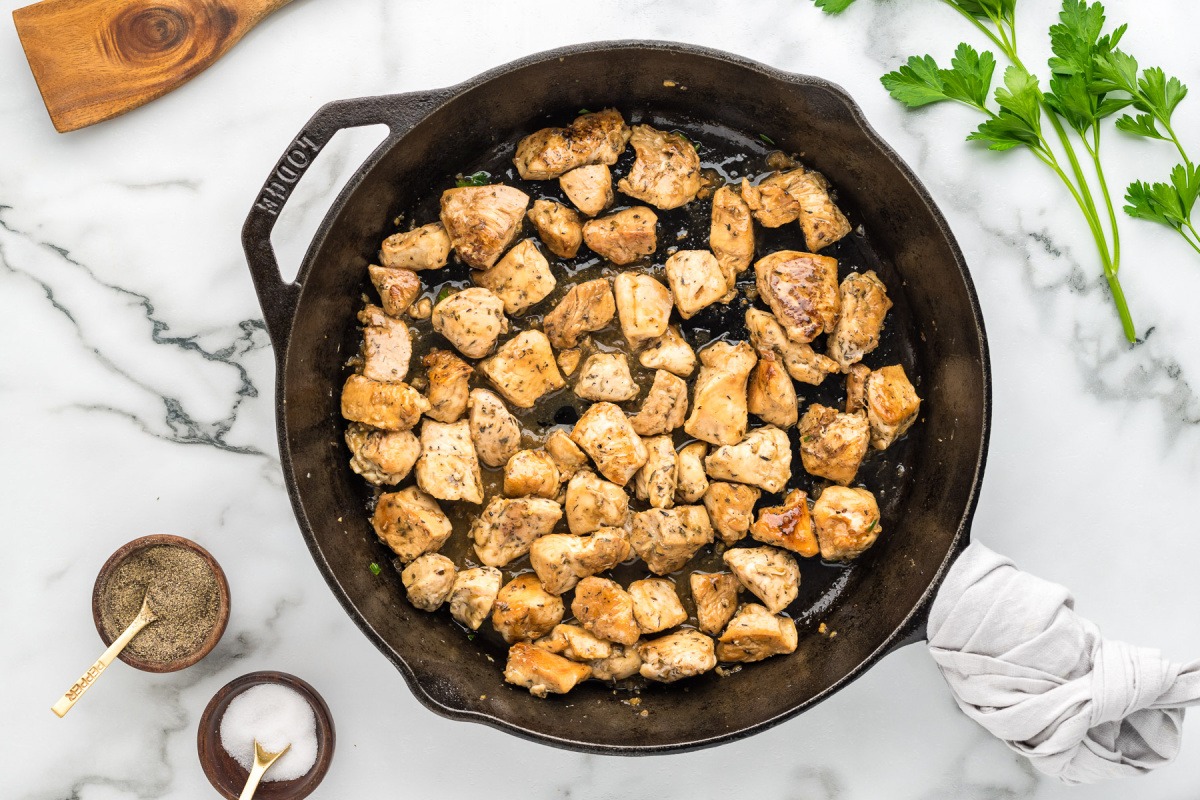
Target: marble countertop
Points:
(136, 382)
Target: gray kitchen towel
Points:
(1037, 675)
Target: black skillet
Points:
(928, 485)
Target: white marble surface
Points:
(136, 390)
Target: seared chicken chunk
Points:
(566, 454)
(715, 594)
(472, 320)
(762, 459)
(755, 633)
(593, 503)
(788, 526)
(381, 457)
(731, 236)
(473, 595)
(770, 395)
(856, 388)
(525, 611)
(730, 506)
(507, 527)
(693, 481)
(604, 433)
(666, 173)
(773, 206)
(428, 581)
(670, 352)
(719, 398)
(623, 237)
(448, 391)
(605, 609)
(847, 522)
(657, 479)
(864, 303)
(523, 369)
(389, 406)
(575, 643)
(667, 538)
(531, 472)
(387, 346)
(586, 307)
(892, 405)
(568, 360)
(410, 522)
(398, 288)
(769, 573)
(832, 444)
(521, 279)
(482, 221)
(821, 220)
(677, 655)
(426, 247)
(801, 290)
(561, 560)
(644, 307)
(656, 605)
(664, 408)
(542, 672)
(800, 360)
(495, 431)
(696, 281)
(597, 138)
(558, 226)
(623, 662)
(589, 188)
(605, 376)
(448, 468)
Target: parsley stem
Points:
(1094, 151)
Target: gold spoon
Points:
(262, 761)
(144, 618)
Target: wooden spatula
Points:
(95, 59)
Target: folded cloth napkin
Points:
(1037, 675)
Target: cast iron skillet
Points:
(879, 606)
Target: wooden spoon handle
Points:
(65, 702)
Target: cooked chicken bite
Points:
(531, 472)
(666, 173)
(542, 672)
(597, 138)
(656, 605)
(604, 433)
(802, 292)
(448, 391)
(800, 360)
(657, 479)
(521, 279)
(770, 201)
(398, 288)
(586, 307)
(566, 454)
(593, 503)
(856, 388)
(715, 594)
(770, 395)
(605, 376)
(832, 444)
(448, 468)
(769, 573)
(495, 432)
(719, 397)
(892, 405)
(788, 526)
(568, 360)
(473, 594)
(821, 220)
(847, 522)
(731, 236)
(696, 281)
(667, 538)
(605, 609)
(589, 188)
(472, 320)
(644, 307)
(693, 482)
(558, 226)
(381, 457)
(561, 560)
(664, 408)
(575, 643)
(428, 581)
(524, 610)
(623, 662)
(389, 406)
(865, 304)
(482, 221)
(670, 352)
(677, 655)
(387, 345)
(410, 522)
(730, 506)
(623, 237)
(754, 634)
(523, 369)
(426, 247)
(762, 459)
(507, 527)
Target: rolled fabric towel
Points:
(1024, 665)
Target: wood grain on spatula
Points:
(95, 59)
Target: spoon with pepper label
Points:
(144, 618)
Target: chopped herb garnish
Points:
(584, 111)
(767, 139)
(480, 178)
(470, 637)
(443, 294)
(375, 568)
(874, 522)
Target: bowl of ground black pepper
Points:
(186, 589)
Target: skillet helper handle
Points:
(1023, 664)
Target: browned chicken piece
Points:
(507, 527)
(696, 523)
(525, 611)
(594, 503)
(422, 309)
(472, 320)
(448, 468)
(847, 522)
(719, 397)
(623, 662)
(521, 279)
(821, 220)
(731, 236)
(644, 307)
(428, 581)
(716, 595)
(623, 237)
(682, 654)
(381, 457)
(605, 609)
(426, 247)
(523, 369)
(604, 433)
(605, 376)
(770, 395)
(754, 634)
(670, 352)
(832, 444)
(558, 226)
(864, 306)
(788, 526)
(856, 388)
(590, 188)
(561, 560)
(773, 206)
(892, 405)
(482, 221)
(411, 523)
(762, 459)
(542, 672)
(730, 506)
(473, 595)
(664, 408)
(667, 538)
(386, 347)
(656, 605)
(381, 404)
(666, 173)
(802, 292)
(657, 479)
(586, 307)
(448, 391)
(693, 481)
(800, 360)
(531, 472)
(495, 432)
(566, 454)
(568, 360)
(574, 643)
(696, 281)
(398, 288)
(768, 573)
(597, 138)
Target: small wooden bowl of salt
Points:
(277, 709)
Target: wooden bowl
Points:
(228, 776)
(222, 612)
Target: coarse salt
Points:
(276, 716)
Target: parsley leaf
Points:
(917, 83)
(480, 178)
(987, 9)
(1075, 93)
(921, 82)
(833, 6)
(1166, 203)
(1020, 119)
(1141, 125)
(1152, 92)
